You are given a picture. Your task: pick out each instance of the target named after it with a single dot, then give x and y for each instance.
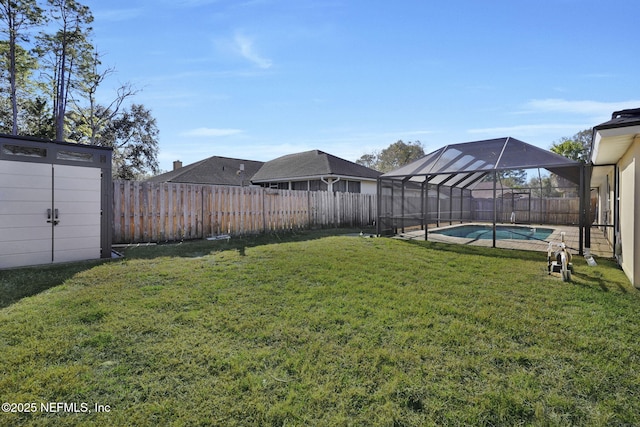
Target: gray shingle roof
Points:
(630, 117)
(214, 170)
(484, 190)
(314, 163)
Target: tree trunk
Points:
(12, 68)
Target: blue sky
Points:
(258, 79)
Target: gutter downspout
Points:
(330, 183)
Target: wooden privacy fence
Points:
(152, 212)
(548, 210)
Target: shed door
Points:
(48, 213)
(76, 200)
(25, 196)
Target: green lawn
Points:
(328, 331)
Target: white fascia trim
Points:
(601, 134)
(596, 147)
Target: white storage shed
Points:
(55, 202)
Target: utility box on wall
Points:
(55, 202)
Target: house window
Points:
(344, 186)
(300, 185)
(317, 185)
(275, 185)
(340, 186)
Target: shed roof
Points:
(308, 164)
(213, 170)
(462, 165)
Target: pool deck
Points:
(599, 245)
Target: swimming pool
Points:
(503, 232)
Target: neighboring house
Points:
(484, 190)
(316, 171)
(615, 154)
(214, 170)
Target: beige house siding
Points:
(617, 142)
(369, 187)
(629, 207)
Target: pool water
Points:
(503, 232)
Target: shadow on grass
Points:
(482, 251)
(604, 276)
(594, 276)
(198, 248)
(19, 283)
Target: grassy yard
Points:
(315, 330)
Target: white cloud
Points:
(189, 3)
(245, 47)
(528, 129)
(591, 108)
(211, 132)
(116, 15)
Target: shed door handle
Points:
(55, 220)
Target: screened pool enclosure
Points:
(463, 183)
